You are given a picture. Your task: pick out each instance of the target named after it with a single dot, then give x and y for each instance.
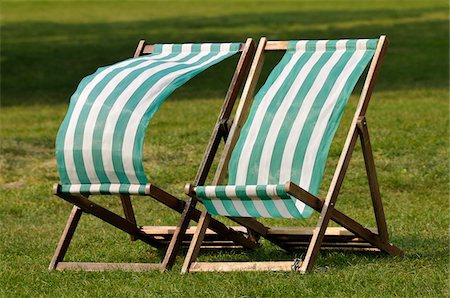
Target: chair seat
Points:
(104, 188)
(251, 201)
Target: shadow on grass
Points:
(42, 62)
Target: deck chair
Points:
(99, 145)
(275, 161)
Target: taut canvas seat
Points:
(275, 157)
(99, 144)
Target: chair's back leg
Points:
(128, 211)
(373, 180)
(66, 237)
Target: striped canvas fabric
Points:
(99, 143)
(289, 129)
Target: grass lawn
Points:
(47, 47)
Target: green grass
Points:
(47, 47)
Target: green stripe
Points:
(104, 189)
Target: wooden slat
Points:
(241, 266)
(331, 231)
(109, 217)
(169, 230)
(148, 49)
(372, 179)
(276, 45)
(86, 266)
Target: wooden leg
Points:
(342, 219)
(373, 180)
(328, 205)
(128, 211)
(178, 236)
(109, 217)
(197, 240)
(66, 237)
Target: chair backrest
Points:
(99, 144)
(295, 114)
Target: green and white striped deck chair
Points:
(276, 161)
(99, 144)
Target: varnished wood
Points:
(128, 211)
(241, 266)
(224, 115)
(196, 242)
(139, 49)
(86, 266)
(108, 216)
(66, 237)
(276, 45)
(340, 218)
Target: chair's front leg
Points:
(66, 237)
(179, 234)
(197, 239)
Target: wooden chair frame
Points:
(351, 235)
(218, 234)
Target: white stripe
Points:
(75, 188)
(244, 159)
(148, 98)
(116, 111)
(94, 188)
(278, 118)
(210, 192)
(257, 202)
(230, 191)
(326, 111)
(114, 188)
(70, 132)
(134, 189)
